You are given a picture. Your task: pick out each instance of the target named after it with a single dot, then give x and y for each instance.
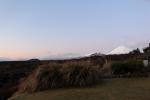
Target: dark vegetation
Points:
(11, 73)
(128, 68)
(123, 57)
(135, 52)
(34, 75)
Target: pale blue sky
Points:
(30, 28)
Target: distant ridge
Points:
(120, 50)
(5, 59)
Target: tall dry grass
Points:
(80, 74)
(44, 77)
(54, 75)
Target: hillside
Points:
(11, 72)
(113, 89)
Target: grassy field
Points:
(112, 89)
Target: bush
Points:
(106, 70)
(60, 75)
(125, 67)
(80, 74)
(44, 77)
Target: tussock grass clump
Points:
(44, 77)
(124, 67)
(80, 74)
(106, 70)
(47, 76)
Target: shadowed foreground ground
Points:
(114, 89)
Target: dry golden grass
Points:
(54, 75)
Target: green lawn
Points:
(112, 89)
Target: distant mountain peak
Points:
(120, 50)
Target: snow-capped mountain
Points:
(120, 50)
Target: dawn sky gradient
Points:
(38, 28)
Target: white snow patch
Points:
(120, 50)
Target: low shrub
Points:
(80, 74)
(126, 67)
(44, 77)
(106, 70)
(54, 75)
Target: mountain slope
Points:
(120, 50)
